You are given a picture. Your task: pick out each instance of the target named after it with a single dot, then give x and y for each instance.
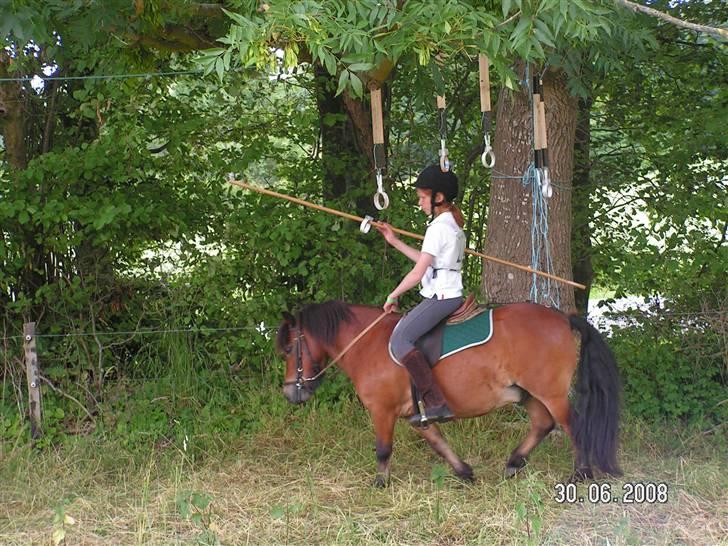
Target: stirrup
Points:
(423, 420)
(420, 420)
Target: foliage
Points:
(659, 169)
(352, 38)
(196, 507)
(673, 366)
(121, 221)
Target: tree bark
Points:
(581, 234)
(510, 209)
(12, 118)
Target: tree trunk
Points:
(581, 235)
(343, 155)
(12, 119)
(510, 210)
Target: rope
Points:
(349, 346)
(542, 290)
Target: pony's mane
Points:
(320, 320)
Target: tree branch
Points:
(715, 31)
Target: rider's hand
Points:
(391, 304)
(386, 230)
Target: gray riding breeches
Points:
(420, 320)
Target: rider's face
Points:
(424, 201)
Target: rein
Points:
(344, 351)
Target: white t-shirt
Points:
(445, 241)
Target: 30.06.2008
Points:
(602, 493)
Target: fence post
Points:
(33, 375)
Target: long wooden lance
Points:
(396, 230)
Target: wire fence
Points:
(133, 333)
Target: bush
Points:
(671, 367)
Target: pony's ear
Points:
(289, 318)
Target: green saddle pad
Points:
(472, 332)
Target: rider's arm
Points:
(414, 277)
(412, 253)
(391, 237)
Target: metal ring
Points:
(366, 224)
(546, 188)
(444, 162)
(488, 158)
(381, 195)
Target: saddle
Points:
(435, 344)
(467, 310)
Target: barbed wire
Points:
(267, 329)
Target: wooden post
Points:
(377, 118)
(484, 82)
(33, 376)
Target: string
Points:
(542, 289)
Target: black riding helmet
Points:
(432, 178)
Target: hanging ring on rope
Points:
(488, 157)
(546, 188)
(366, 224)
(444, 161)
(381, 199)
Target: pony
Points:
(532, 357)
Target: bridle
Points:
(301, 381)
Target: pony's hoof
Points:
(581, 475)
(511, 471)
(380, 482)
(514, 466)
(466, 474)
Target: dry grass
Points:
(306, 479)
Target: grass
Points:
(305, 475)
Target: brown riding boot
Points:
(436, 410)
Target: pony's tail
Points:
(595, 416)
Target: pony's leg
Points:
(384, 433)
(541, 424)
(442, 448)
(560, 409)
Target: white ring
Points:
(366, 224)
(444, 163)
(381, 195)
(488, 158)
(546, 188)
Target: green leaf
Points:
(239, 19)
(520, 32)
(329, 61)
(543, 33)
(343, 80)
(220, 68)
(360, 67)
(506, 7)
(356, 85)
(437, 79)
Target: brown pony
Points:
(531, 358)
